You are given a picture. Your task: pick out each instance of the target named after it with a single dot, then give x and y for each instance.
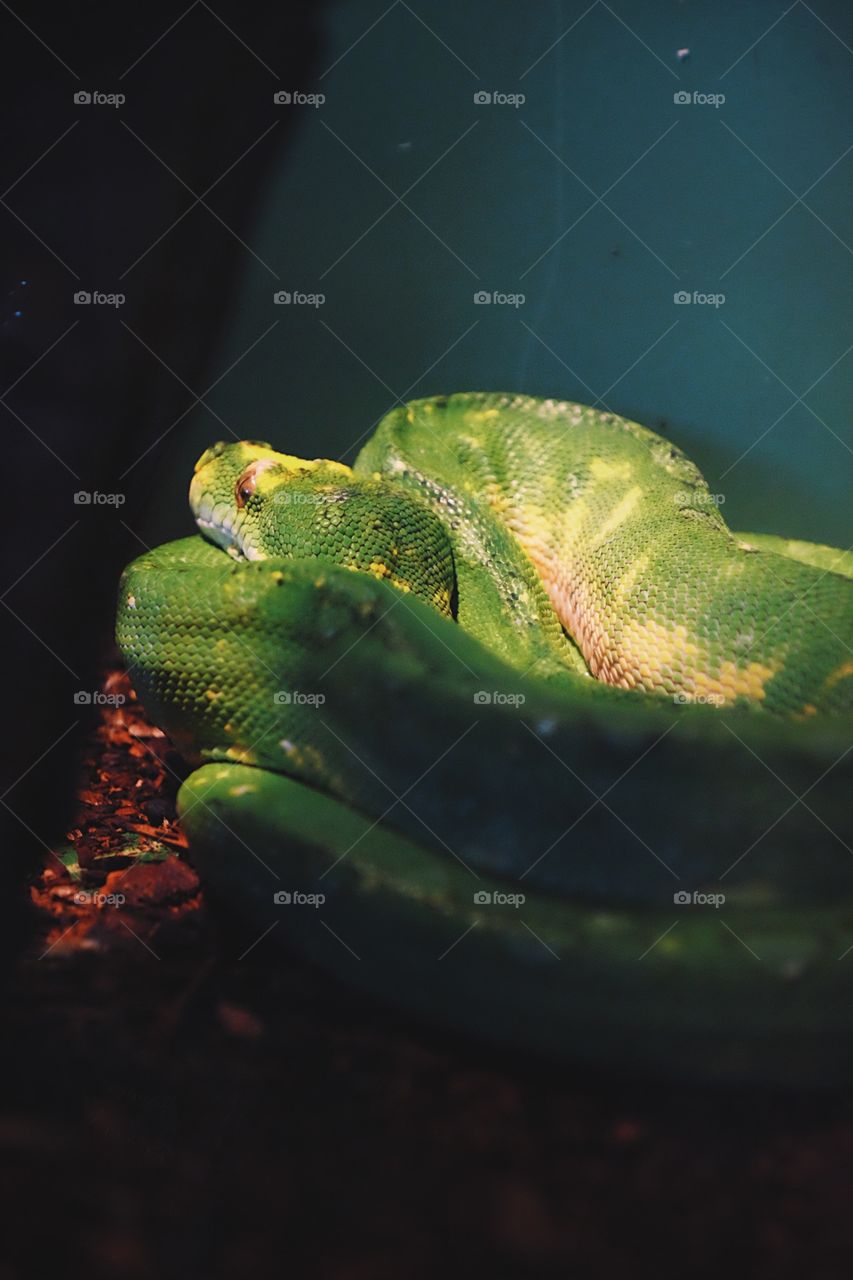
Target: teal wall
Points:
(690, 199)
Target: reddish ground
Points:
(176, 1110)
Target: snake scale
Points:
(505, 726)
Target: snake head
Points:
(233, 487)
(257, 504)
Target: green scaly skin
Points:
(387, 685)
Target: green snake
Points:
(505, 726)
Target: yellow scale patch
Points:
(840, 673)
(291, 463)
(738, 682)
(645, 648)
(618, 515)
(496, 496)
(481, 415)
(611, 469)
(379, 569)
(629, 581)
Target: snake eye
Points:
(245, 487)
(247, 480)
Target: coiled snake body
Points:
(565, 759)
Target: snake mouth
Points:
(225, 538)
(228, 536)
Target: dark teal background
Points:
(690, 200)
